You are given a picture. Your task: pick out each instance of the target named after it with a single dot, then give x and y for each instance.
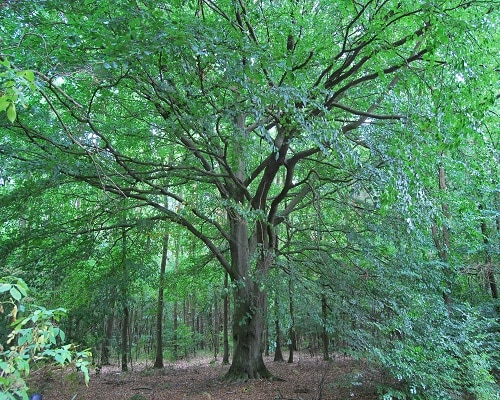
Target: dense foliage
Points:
(338, 160)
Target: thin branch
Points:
(366, 114)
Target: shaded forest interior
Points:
(245, 180)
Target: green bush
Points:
(34, 337)
(442, 357)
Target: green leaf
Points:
(22, 287)
(36, 316)
(11, 112)
(5, 287)
(16, 294)
(29, 75)
(25, 337)
(4, 103)
(60, 358)
(52, 334)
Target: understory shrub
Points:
(34, 338)
(442, 357)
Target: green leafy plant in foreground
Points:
(13, 86)
(34, 337)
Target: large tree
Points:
(253, 106)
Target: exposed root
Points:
(235, 376)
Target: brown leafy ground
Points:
(307, 378)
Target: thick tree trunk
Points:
(248, 327)
(249, 307)
(246, 248)
(159, 312)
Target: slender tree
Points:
(278, 354)
(124, 290)
(108, 330)
(442, 238)
(292, 334)
(488, 262)
(324, 332)
(225, 322)
(159, 313)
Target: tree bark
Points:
(489, 272)
(159, 313)
(278, 354)
(175, 312)
(249, 305)
(442, 239)
(225, 357)
(293, 336)
(192, 307)
(216, 326)
(248, 323)
(324, 333)
(108, 330)
(124, 348)
(106, 343)
(175, 317)
(124, 294)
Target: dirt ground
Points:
(308, 378)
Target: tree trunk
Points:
(278, 354)
(249, 306)
(293, 337)
(216, 326)
(130, 335)
(266, 340)
(108, 330)
(489, 272)
(248, 324)
(106, 343)
(159, 313)
(175, 315)
(225, 357)
(124, 294)
(324, 333)
(124, 349)
(192, 305)
(498, 235)
(442, 239)
(175, 338)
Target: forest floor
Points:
(308, 378)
